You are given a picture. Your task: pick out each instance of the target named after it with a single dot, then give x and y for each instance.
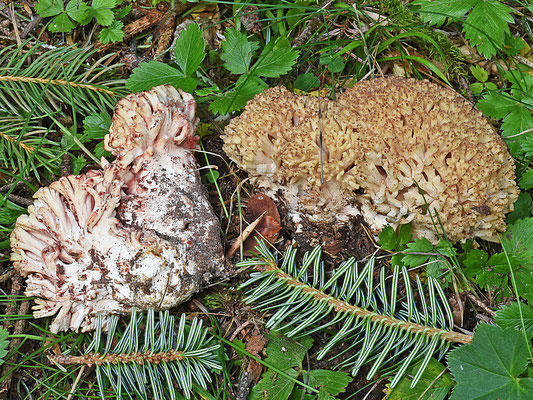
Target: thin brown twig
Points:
(19, 200)
(480, 304)
(75, 384)
(243, 236)
(15, 26)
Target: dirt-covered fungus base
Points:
(380, 139)
(139, 233)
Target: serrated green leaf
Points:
(516, 116)
(527, 146)
(500, 263)
(77, 10)
(273, 386)
(95, 126)
(61, 23)
(526, 180)
(474, 261)
(154, 73)
(113, 33)
(509, 317)
(518, 241)
(331, 382)
(476, 88)
(436, 11)
(274, 62)
(284, 352)
(486, 26)
(439, 388)
(306, 82)
(497, 105)
(237, 52)
(100, 152)
(445, 248)
(49, 8)
(418, 246)
(103, 11)
(490, 367)
(189, 50)
(404, 233)
(523, 208)
(103, 4)
(237, 98)
(479, 73)
(388, 239)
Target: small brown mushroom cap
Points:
(380, 139)
(138, 233)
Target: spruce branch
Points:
(45, 81)
(150, 358)
(58, 82)
(342, 306)
(22, 145)
(370, 318)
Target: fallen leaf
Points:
(270, 225)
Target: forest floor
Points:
(65, 64)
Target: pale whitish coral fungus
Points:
(379, 140)
(139, 233)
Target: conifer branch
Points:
(380, 328)
(342, 306)
(58, 82)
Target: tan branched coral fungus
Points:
(139, 233)
(379, 140)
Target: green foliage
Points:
(66, 17)
(287, 355)
(38, 88)
(493, 366)
(418, 252)
(434, 378)
(189, 52)
(486, 26)
(159, 359)
(514, 108)
(518, 243)
(113, 33)
(4, 344)
(488, 273)
(516, 315)
(481, 76)
(275, 59)
(306, 82)
(301, 297)
(523, 208)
